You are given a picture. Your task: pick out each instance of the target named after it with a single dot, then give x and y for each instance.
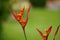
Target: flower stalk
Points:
(20, 19)
(25, 34)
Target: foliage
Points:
(38, 3)
(4, 9)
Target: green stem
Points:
(25, 34)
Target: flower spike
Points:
(19, 17)
(45, 36)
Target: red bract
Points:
(45, 36)
(56, 32)
(19, 17)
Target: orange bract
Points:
(45, 36)
(19, 17)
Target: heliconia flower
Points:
(56, 32)
(45, 36)
(19, 17)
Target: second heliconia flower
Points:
(45, 36)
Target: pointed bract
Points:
(19, 17)
(49, 30)
(45, 36)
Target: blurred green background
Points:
(39, 17)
